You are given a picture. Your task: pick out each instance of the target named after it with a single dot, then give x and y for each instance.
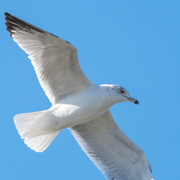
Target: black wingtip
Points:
(6, 14)
(13, 23)
(8, 27)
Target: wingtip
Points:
(13, 23)
(7, 15)
(8, 25)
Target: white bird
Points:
(77, 104)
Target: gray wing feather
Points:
(116, 156)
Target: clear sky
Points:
(135, 44)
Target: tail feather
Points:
(40, 143)
(29, 126)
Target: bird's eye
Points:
(122, 91)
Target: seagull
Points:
(77, 104)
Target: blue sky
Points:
(130, 43)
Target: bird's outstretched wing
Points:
(116, 156)
(55, 60)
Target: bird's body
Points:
(74, 109)
(78, 108)
(77, 104)
(82, 107)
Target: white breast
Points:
(80, 107)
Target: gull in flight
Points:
(77, 104)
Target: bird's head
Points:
(118, 94)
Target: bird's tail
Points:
(30, 128)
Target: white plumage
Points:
(77, 104)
